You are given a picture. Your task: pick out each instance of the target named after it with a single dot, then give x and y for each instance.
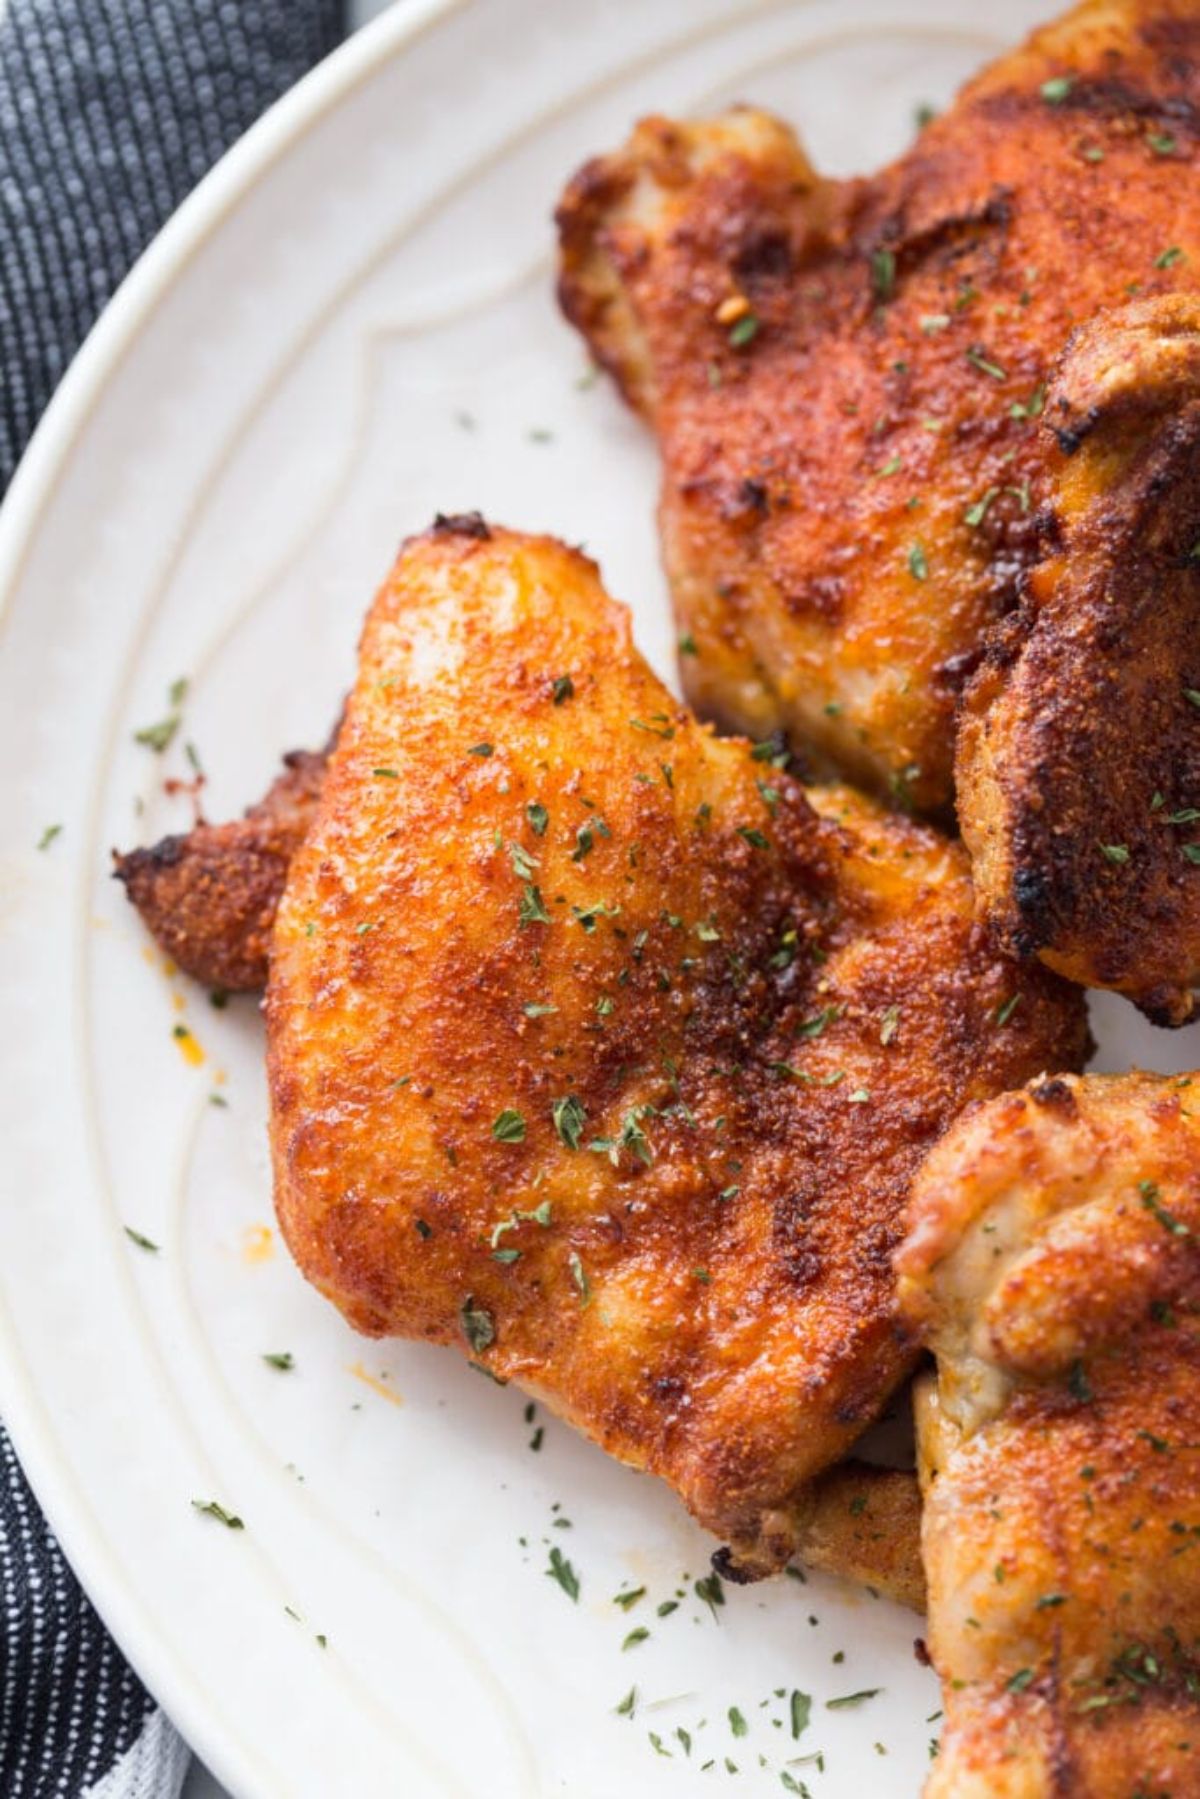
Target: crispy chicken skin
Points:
(846, 378)
(598, 1052)
(1052, 1264)
(208, 896)
(1079, 751)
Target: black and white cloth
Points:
(110, 111)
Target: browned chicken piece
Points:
(846, 378)
(1079, 750)
(208, 896)
(1053, 1264)
(864, 1523)
(600, 1052)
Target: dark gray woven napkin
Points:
(110, 112)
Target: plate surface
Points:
(348, 327)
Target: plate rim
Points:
(99, 358)
(41, 1444)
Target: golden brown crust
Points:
(208, 896)
(761, 1018)
(864, 1524)
(850, 494)
(1053, 1265)
(1079, 752)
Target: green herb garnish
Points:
(883, 274)
(531, 909)
(975, 515)
(569, 1119)
(561, 1570)
(1078, 1384)
(1152, 1201)
(814, 1027)
(158, 737)
(711, 1591)
(211, 1509)
(478, 1326)
(1031, 408)
(800, 1709)
(579, 1276)
(978, 358)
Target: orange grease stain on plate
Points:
(189, 1049)
(377, 1384)
(258, 1244)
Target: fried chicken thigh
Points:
(847, 378)
(209, 895)
(1053, 1264)
(602, 1053)
(1079, 751)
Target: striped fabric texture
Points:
(110, 112)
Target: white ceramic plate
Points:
(349, 326)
